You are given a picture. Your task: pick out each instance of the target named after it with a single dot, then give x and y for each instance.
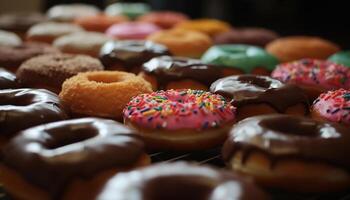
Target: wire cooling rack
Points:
(212, 157)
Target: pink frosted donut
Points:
(180, 119)
(132, 30)
(314, 76)
(333, 106)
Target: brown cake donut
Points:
(129, 55)
(166, 72)
(24, 108)
(12, 57)
(7, 79)
(256, 95)
(50, 71)
(289, 152)
(68, 159)
(180, 180)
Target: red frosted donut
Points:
(180, 119)
(314, 76)
(333, 106)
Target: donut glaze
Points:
(282, 137)
(51, 155)
(179, 110)
(7, 79)
(342, 57)
(252, 89)
(167, 69)
(24, 108)
(180, 180)
(313, 72)
(129, 54)
(132, 30)
(334, 106)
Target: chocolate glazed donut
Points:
(24, 108)
(7, 79)
(254, 90)
(51, 156)
(129, 55)
(180, 180)
(290, 152)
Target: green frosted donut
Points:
(243, 57)
(132, 10)
(342, 57)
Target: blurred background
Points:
(328, 19)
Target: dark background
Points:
(329, 19)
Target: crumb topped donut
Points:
(180, 180)
(180, 119)
(68, 159)
(257, 95)
(289, 152)
(332, 106)
(314, 76)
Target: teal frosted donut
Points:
(243, 57)
(342, 57)
(132, 10)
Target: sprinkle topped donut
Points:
(179, 109)
(333, 106)
(314, 72)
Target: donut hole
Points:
(103, 78)
(178, 188)
(64, 136)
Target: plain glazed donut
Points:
(99, 23)
(184, 43)
(163, 19)
(103, 94)
(9, 39)
(257, 95)
(8, 80)
(68, 12)
(210, 27)
(313, 76)
(332, 106)
(24, 108)
(180, 119)
(68, 159)
(180, 180)
(293, 153)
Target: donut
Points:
(24, 108)
(68, 12)
(88, 43)
(9, 39)
(249, 35)
(246, 58)
(342, 57)
(180, 180)
(8, 80)
(314, 76)
(292, 48)
(289, 152)
(20, 22)
(99, 23)
(103, 94)
(180, 119)
(210, 27)
(164, 19)
(132, 30)
(129, 55)
(47, 32)
(12, 57)
(184, 43)
(166, 72)
(68, 159)
(51, 70)
(332, 106)
(131, 10)
(257, 95)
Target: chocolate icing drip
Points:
(180, 180)
(167, 69)
(51, 155)
(252, 89)
(130, 53)
(24, 108)
(7, 80)
(282, 137)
